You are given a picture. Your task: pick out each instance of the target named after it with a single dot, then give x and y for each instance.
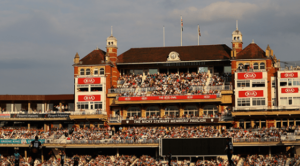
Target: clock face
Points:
(173, 56)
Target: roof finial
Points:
(252, 41)
(111, 31)
(97, 48)
(237, 25)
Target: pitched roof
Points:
(252, 51)
(186, 53)
(94, 57)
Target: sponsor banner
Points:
(170, 121)
(89, 97)
(4, 115)
(58, 115)
(167, 97)
(251, 93)
(250, 75)
(19, 141)
(289, 75)
(289, 90)
(93, 80)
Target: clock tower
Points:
(237, 39)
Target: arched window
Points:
(95, 71)
(210, 109)
(108, 43)
(152, 110)
(81, 71)
(87, 72)
(191, 110)
(134, 111)
(255, 66)
(234, 38)
(101, 71)
(172, 111)
(262, 65)
(238, 38)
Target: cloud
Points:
(38, 39)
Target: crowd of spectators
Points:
(170, 84)
(265, 160)
(172, 116)
(22, 133)
(148, 134)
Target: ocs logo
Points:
(289, 90)
(189, 97)
(250, 93)
(89, 98)
(206, 96)
(89, 80)
(250, 75)
(289, 75)
(144, 98)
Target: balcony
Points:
(119, 120)
(150, 89)
(249, 70)
(264, 110)
(50, 116)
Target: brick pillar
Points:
(162, 111)
(143, 112)
(181, 110)
(29, 109)
(124, 114)
(200, 108)
(60, 104)
(252, 123)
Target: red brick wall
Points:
(75, 71)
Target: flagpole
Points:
(181, 30)
(164, 35)
(198, 35)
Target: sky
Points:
(39, 38)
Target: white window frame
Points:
(241, 101)
(262, 65)
(259, 101)
(82, 72)
(101, 71)
(97, 85)
(83, 86)
(88, 72)
(283, 101)
(255, 65)
(152, 110)
(96, 72)
(84, 104)
(258, 81)
(210, 108)
(243, 82)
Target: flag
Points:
(199, 30)
(181, 24)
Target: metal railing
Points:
(250, 70)
(147, 89)
(118, 119)
(266, 108)
(112, 141)
(271, 139)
